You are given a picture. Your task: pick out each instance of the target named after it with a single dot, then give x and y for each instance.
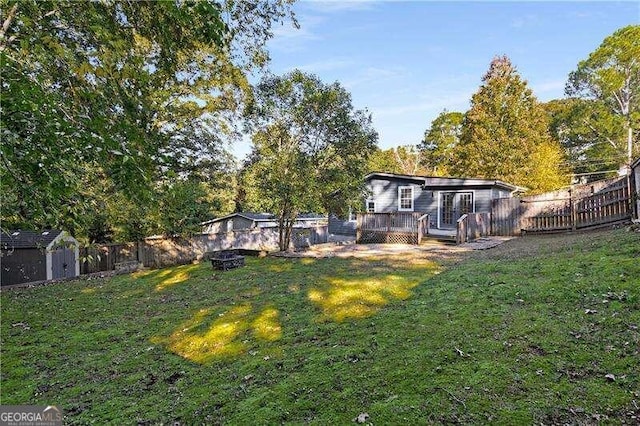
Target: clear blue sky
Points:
(407, 61)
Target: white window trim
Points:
(400, 209)
(473, 201)
(366, 205)
(352, 216)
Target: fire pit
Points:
(227, 259)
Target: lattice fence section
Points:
(383, 237)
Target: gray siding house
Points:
(444, 199)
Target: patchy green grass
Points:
(522, 333)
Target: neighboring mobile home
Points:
(38, 256)
(248, 220)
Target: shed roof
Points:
(246, 215)
(28, 239)
(311, 216)
(433, 181)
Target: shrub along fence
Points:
(160, 252)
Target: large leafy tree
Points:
(505, 134)
(438, 146)
(310, 148)
(404, 159)
(585, 133)
(606, 105)
(134, 89)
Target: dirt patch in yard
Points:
(433, 250)
(490, 248)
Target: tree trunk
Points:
(281, 231)
(285, 222)
(630, 145)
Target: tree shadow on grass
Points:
(249, 315)
(210, 334)
(167, 277)
(341, 299)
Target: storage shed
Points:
(28, 256)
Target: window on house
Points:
(405, 198)
(352, 216)
(465, 203)
(371, 206)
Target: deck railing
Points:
(472, 226)
(390, 222)
(423, 227)
(407, 227)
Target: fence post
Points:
(574, 211)
(358, 227)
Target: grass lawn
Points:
(522, 333)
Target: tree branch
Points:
(594, 130)
(5, 27)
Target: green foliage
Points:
(586, 135)
(383, 161)
(310, 148)
(131, 88)
(404, 159)
(505, 134)
(500, 336)
(439, 143)
(182, 206)
(606, 109)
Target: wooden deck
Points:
(396, 227)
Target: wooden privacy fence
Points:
(152, 253)
(505, 216)
(610, 204)
(161, 252)
(396, 227)
(105, 257)
(472, 226)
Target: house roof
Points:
(635, 163)
(246, 215)
(438, 181)
(310, 216)
(263, 217)
(255, 216)
(28, 239)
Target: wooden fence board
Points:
(609, 204)
(161, 252)
(505, 216)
